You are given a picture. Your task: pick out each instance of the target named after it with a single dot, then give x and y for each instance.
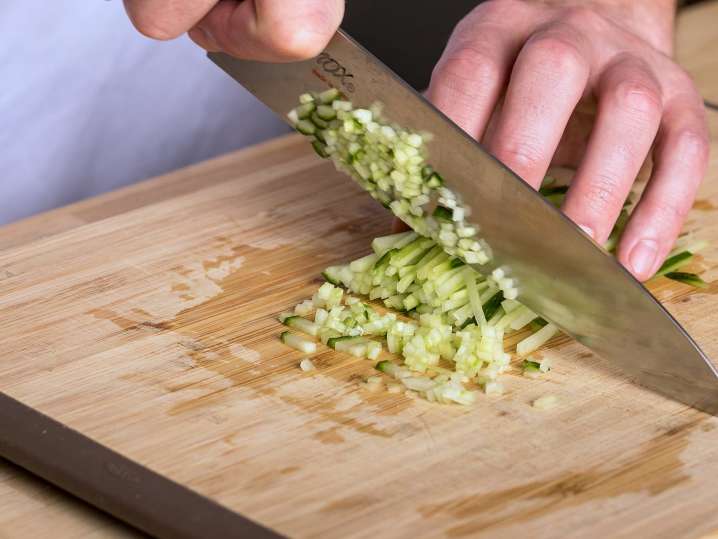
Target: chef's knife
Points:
(560, 272)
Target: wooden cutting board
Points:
(152, 332)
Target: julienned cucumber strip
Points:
(674, 262)
(493, 305)
(690, 279)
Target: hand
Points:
(268, 30)
(524, 77)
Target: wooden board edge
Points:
(114, 484)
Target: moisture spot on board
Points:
(329, 436)
(350, 503)
(704, 205)
(244, 353)
(656, 467)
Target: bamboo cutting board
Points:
(152, 332)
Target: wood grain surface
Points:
(145, 320)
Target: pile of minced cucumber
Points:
(443, 322)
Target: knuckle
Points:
(521, 154)
(692, 144)
(603, 194)
(637, 96)
(555, 51)
(669, 212)
(466, 69)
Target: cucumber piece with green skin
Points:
(326, 112)
(333, 274)
(328, 96)
(553, 190)
(690, 279)
(302, 324)
(305, 127)
(537, 324)
(468, 322)
(383, 261)
(332, 342)
(530, 366)
(411, 253)
(493, 305)
(453, 282)
(320, 148)
(443, 214)
(387, 367)
(674, 262)
(356, 346)
(318, 121)
(405, 281)
(298, 343)
(435, 180)
(428, 257)
(423, 272)
(383, 244)
(325, 334)
(617, 231)
(305, 111)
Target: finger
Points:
(471, 74)
(547, 81)
(272, 30)
(680, 162)
(629, 112)
(166, 19)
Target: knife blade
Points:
(560, 272)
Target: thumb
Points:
(270, 30)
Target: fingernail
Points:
(643, 257)
(587, 230)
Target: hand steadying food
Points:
(589, 84)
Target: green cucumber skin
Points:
(530, 366)
(332, 342)
(690, 279)
(492, 305)
(674, 262)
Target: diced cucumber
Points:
(298, 343)
(305, 127)
(302, 324)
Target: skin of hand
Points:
(267, 30)
(591, 85)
